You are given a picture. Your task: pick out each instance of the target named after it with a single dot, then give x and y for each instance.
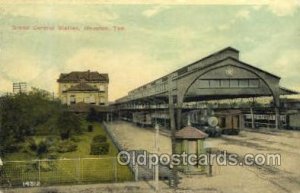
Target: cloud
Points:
(257, 7)
(127, 70)
(278, 59)
(286, 63)
(283, 7)
(240, 15)
(223, 27)
(6, 85)
(243, 14)
(47, 79)
(51, 12)
(155, 10)
(24, 67)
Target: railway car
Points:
(294, 121)
(142, 119)
(264, 119)
(230, 121)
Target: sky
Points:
(149, 40)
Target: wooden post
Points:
(252, 118)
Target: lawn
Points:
(71, 167)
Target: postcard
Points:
(138, 96)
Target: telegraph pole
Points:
(174, 180)
(157, 151)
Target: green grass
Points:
(73, 167)
(83, 146)
(83, 149)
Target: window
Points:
(65, 87)
(102, 101)
(214, 83)
(253, 83)
(102, 88)
(225, 83)
(92, 99)
(234, 83)
(244, 83)
(86, 100)
(204, 83)
(72, 99)
(228, 83)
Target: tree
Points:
(68, 123)
(22, 114)
(93, 115)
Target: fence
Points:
(112, 137)
(139, 172)
(63, 171)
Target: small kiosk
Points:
(190, 140)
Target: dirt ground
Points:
(283, 178)
(226, 179)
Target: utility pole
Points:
(19, 87)
(157, 152)
(174, 180)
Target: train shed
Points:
(221, 75)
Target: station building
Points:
(85, 87)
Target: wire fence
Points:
(63, 171)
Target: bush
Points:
(52, 155)
(90, 128)
(65, 135)
(99, 148)
(99, 139)
(52, 140)
(42, 148)
(66, 146)
(45, 166)
(67, 124)
(31, 144)
(75, 139)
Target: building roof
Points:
(77, 76)
(190, 132)
(82, 86)
(290, 100)
(286, 91)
